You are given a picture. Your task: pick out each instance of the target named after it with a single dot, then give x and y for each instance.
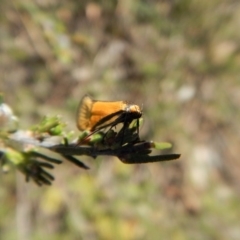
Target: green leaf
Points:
(161, 145)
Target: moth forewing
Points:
(95, 115)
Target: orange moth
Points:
(94, 115)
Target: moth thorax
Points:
(133, 108)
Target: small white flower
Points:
(7, 118)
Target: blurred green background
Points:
(177, 59)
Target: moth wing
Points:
(84, 113)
